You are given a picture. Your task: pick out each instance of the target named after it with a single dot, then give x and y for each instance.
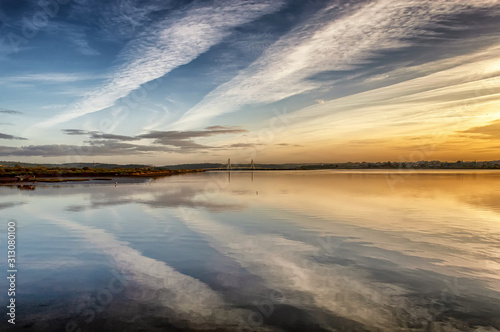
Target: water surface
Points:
(262, 251)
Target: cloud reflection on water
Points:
(344, 248)
(184, 298)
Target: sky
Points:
(164, 82)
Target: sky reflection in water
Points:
(314, 250)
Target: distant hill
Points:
(193, 166)
(169, 167)
(304, 166)
(72, 165)
(233, 166)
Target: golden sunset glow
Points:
(361, 81)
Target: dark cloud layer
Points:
(161, 136)
(111, 144)
(102, 144)
(490, 131)
(182, 135)
(11, 137)
(75, 132)
(9, 205)
(94, 149)
(98, 135)
(6, 111)
(184, 138)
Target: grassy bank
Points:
(58, 174)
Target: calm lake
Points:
(262, 251)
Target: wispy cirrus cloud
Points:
(75, 35)
(125, 17)
(78, 38)
(323, 45)
(174, 41)
(49, 78)
(457, 86)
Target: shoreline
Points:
(85, 177)
(352, 169)
(106, 178)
